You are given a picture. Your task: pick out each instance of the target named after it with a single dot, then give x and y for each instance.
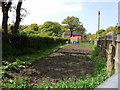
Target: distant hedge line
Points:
(32, 42)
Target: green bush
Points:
(95, 51)
(14, 45)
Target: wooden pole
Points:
(98, 23)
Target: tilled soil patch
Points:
(58, 66)
(78, 49)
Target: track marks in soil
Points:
(59, 65)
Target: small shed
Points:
(74, 33)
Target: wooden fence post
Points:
(117, 55)
(110, 59)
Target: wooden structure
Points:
(110, 47)
(74, 33)
(74, 40)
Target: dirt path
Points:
(60, 65)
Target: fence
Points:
(110, 47)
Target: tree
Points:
(80, 28)
(18, 18)
(72, 23)
(34, 27)
(22, 27)
(99, 33)
(5, 8)
(90, 36)
(52, 28)
(110, 29)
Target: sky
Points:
(41, 11)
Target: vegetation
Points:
(73, 23)
(109, 31)
(90, 37)
(6, 6)
(52, 28)
(92, 81)
(98, 76)
(13, 63)
(26, 44)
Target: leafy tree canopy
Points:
(34, 26)
(73, 23)
(53, 28)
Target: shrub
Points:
(16, 83)
(21, 44)
(95, 51)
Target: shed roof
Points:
(68, 32)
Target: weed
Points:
(15, 83)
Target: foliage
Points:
(34, 27)
(52, 28)
(117, 31)
(80, 28)
(27, 44)
(73, 23)
(95, 51)
(40, 54)
(98, 76)
(22, 62)
(111, 28)
(9, 67)
(40, 34)
(109, 31)
(63, 29)
(90, 37)
(27, 32)
(16, 83)
(99, 33)
(22, 27)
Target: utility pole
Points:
(118, 24)
(98, 23)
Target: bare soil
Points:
(60, 65)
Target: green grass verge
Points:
(40, 54)
(36, 55)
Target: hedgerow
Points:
(21, 44)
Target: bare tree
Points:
(5, 8)
(18, 17)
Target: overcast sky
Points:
(86, 10)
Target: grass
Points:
(37, 55)
(40, 55)
(22, 62)
(92, 81)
